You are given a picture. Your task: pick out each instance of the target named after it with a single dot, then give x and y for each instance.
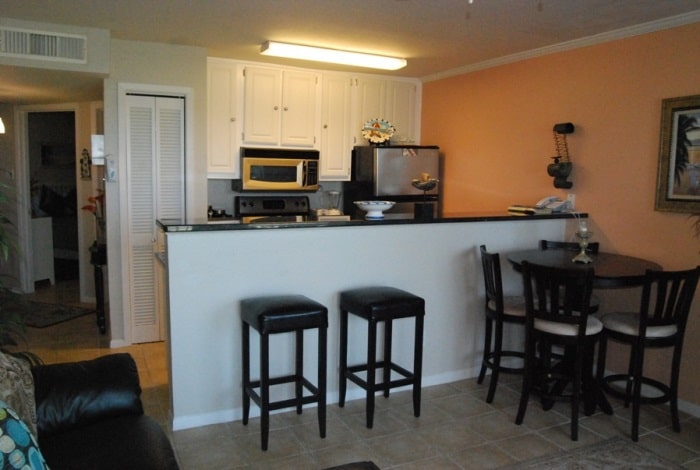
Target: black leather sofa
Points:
(90, 416)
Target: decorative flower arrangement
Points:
(96, 206)
(378, 131)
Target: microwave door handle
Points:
(302, 178)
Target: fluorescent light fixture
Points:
(333, 56)
(2, 126)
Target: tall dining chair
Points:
(660, 323)
(557, 314)
(498, 311)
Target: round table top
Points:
(611, 269)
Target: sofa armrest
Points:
(75, 394)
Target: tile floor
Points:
(457, 428)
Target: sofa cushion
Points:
(17, 388)
(75, 394)
(127, 442)
(18, 447)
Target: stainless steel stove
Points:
(271, 208)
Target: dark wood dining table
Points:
(611, 270)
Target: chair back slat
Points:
(557, 294)
(493, 282)
(667, 297)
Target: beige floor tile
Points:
(482, 457)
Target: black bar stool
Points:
(381, 304)
(282, 314)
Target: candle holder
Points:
(583, 234)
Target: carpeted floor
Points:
(613, 453)
(42, 315)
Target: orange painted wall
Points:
(495, 129)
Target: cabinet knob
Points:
(276, 108)
(233, 119)
(325, 126)
(286, 108)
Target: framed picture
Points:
(678, 183)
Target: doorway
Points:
(51, 149)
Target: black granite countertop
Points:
(205, 225)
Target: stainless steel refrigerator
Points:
(387, 173)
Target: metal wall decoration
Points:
(678, 180)
(561, 168)
(85, 164)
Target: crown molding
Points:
(622, 33)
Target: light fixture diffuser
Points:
(2, 126)
(333, 56)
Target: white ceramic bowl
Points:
(374, 209)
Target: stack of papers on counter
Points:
(528, 210)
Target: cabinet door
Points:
(263, 103)
(370, 104)
(300, 108)
(336, 128)
(401, 110)
(222, 123)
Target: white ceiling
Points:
(437, 37)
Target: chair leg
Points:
(245, 344)
(322, 349)
(417, 365)
(528, 375)
(602, 352)
(371, 370)
(299, 370)
(342, 370)
(264, 390)
(636, 376)
(496, 361)
(673, 392)
(386, 375)
(488, 327)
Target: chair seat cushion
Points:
(512, 305)
(593, 327)
(382, 303)
(627, 323)
(282, 313)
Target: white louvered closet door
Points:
(156, 190)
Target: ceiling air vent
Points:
(31, 44)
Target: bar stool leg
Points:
(371, 370)
(417, 365)
(264, 389)
(245, 328)
(387, 356)
(299, 369)
(322, 362)
(343, 357)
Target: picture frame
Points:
(678, 181)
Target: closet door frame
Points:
(120, 272)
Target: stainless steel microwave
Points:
(279, 170)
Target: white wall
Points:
(151, 64)
(209, 272)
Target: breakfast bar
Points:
(210, 267)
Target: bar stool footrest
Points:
(288, 403)
(409, 377)
(655, 384)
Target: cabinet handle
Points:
(325, 126)
(286, 108)
(276, 108)
(233, 119)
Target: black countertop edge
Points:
(172, 226)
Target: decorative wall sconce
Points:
(561, 168)
(85, 164)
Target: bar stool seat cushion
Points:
(282, 313)
(382, 303)
(513, 305)
(627, 323)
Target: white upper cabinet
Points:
(223, 118)
(336, 127)
(393, 100)
(281, 107)
(259, 105)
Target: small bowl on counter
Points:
(375, 209)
